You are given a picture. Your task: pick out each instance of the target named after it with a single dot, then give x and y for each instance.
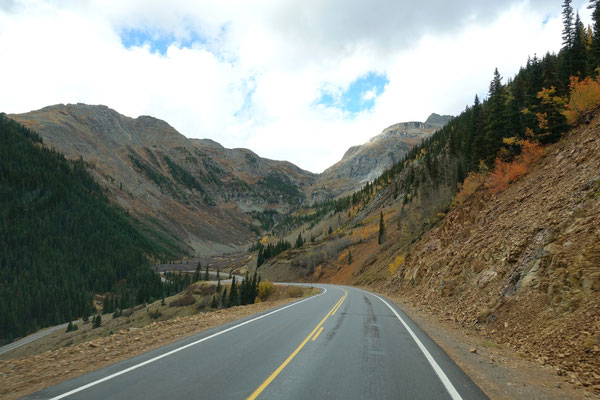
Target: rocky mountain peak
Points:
(365, 162)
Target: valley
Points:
(454, 258)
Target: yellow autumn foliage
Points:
(393, 267)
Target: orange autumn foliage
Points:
(471, 183)
(506, 172)
(584, 100)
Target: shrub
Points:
(398, 261)
(471, 183)
(155, 314)
(506, 172)
(265, 290)
(186, 300)
(584, 100)
(294, 291)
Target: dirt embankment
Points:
(28, 374)
(523, 267)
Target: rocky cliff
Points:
(364, 163)
(211, 198)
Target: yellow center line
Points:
(268, 381)
(318, 333)
(337, 307)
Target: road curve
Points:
(345, 343)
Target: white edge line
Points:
(438, 370)
(106, 378)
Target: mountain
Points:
(364, 163)
(62, 240)
(209, 198)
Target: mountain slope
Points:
(364, 163)
(211, 198)
(61, 240)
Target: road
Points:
(33, 337)
(342, 344)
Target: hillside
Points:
(521, 266)
(364, 163)
(209, 198)
(61, 239)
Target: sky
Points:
(295, 80)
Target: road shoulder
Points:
(498, 370)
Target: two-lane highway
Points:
(345, 343)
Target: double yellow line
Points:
(266, 383)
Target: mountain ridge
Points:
(202, 193)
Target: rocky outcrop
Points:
(364, 163)
(194, 191)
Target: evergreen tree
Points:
(234, 297)
(196, 277)
(224, 298)
(96, 321)
(496, 123)
(594, 56)
(565, 56)
(350, 257)
(579, 50)
(381, 228)
(69, 327)
(299, 241)
(206, 275)
(260, 259)
(213, 302)
(219, 287)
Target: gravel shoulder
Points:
(498, 370)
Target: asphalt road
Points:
(342, 344)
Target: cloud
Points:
(295, 80)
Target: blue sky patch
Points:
(359, 96)
(158, 41)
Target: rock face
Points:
(211, 198)
(366, 162)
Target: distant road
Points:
(33, 337)
(345, 343)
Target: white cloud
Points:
(254, 79)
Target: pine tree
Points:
(299, 241)
(219, 287)
(234, 297)
(224, 297)
(260, 259)
(69, 327)
(496, 123)
(213, 302)
(579, 50)
(594, 59)
(381, 228)
(206, 276)
(197, 272)
(565, 69)
(568, 32)
(350, 257)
